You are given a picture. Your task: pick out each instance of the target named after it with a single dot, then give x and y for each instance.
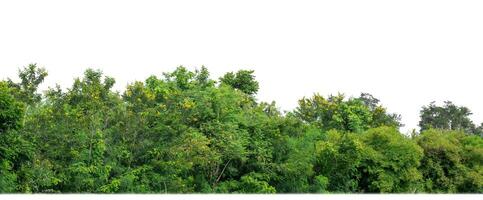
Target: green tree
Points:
(183, 133)
(15, 151)
(11, 111)
(452, 161)
(380, 116)
(390, 162)
(80, 118)
(30, 79)
(338, 157)
(449, 116)
(352, 115)
(243, 80)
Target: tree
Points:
(380, 116)
(11, 111)
(449, 116)
(452, 161)
(243, 80)
(338, 157)
(15, 151)
(352, 115)
(30, 79)
(183, 133)
(390, 162)
(80, 118)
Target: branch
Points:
(223, 170)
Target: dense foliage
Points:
(183, 132)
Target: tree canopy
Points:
(449, 116)
(183, 132)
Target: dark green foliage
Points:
(380, 117)
(15, 152)
(338, 157)
(30, 79)
(11, 111)
(183, 132)
(243, 80)
(452, 162)
(449, 117)
(390, 162)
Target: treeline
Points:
(183, 132)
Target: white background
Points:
(406, 53)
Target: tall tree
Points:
(243, 80)
(449, 117)
(30, 79)
(352, 115)
(380, 116)
(15, 152)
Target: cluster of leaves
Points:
(183, 132)
(449, 117)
